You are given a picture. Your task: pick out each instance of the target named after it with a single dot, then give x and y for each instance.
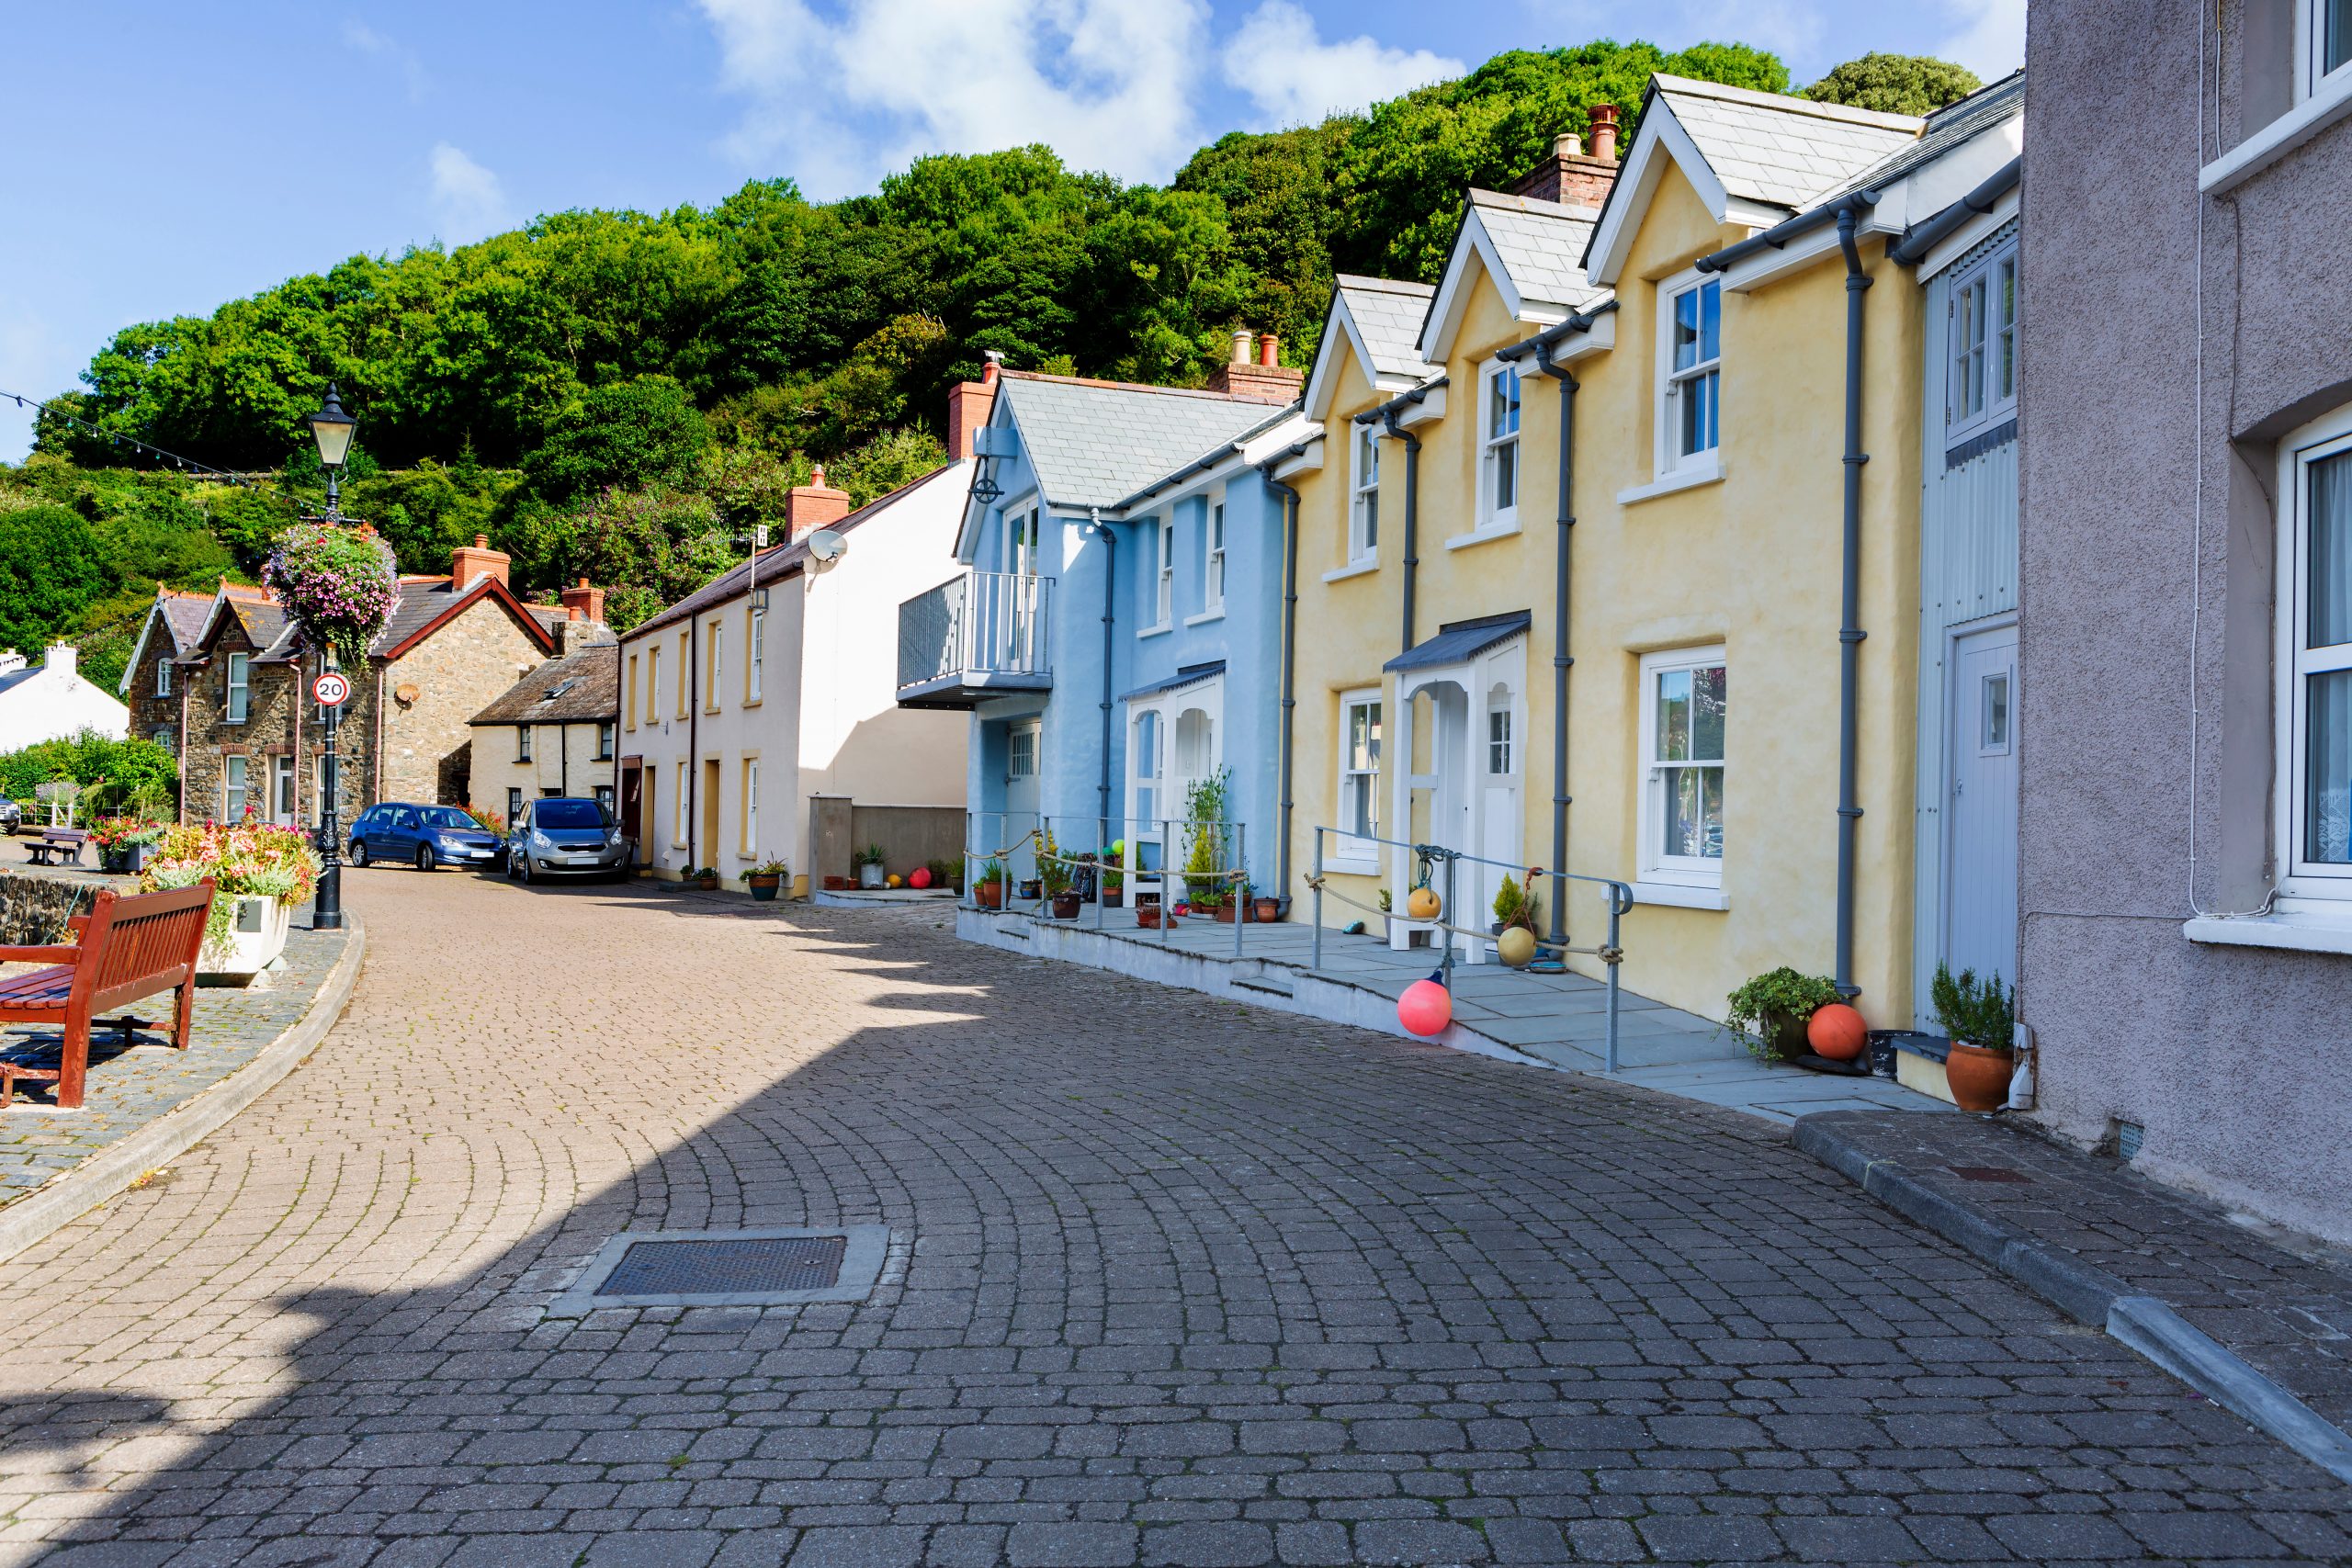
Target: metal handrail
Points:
(1235, 873)
(1612, 954)
(998, 623)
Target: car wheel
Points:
(526, 868)
(358, 854)
(425, 861)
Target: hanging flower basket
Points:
(340, 583)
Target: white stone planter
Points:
(870, 875)
(256, 936)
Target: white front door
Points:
(281, 791)
(1980, 805)
(1021, 793)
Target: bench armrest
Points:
(40, 955)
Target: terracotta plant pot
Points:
(1978, 1078)
(1114, 898)
(989, 894)
(1224, 914)
(837, 885)
(1148, 916)
(1066, 906)
(1268, 910)
(707, 883)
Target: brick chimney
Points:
(1265, 381)
(969, 405)
(478, 560)
(1572, 177)
(583, 602)
(813, 505)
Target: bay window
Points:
(1684, 701)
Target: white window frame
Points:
(1363, 495)
(163, 676)
(236, 788)
(514, 806)
(1653, 864)
(753, 672)
(718, 677)
(679, 840)
(1502, 744)
(1033, 734)
(1982, 278)
(1213, 558)
(2312, 75)
(2301, 879)
(237, 703)
(750, 848)
(1350, 851)
(1163, 574)
(1671, 459)
(1498, 447)
(1143, 827)
(607, 740)
(522, 742)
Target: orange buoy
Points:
(1836, 1031)
(1425, 1009)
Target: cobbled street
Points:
(1171, 1281)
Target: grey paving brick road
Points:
(1175, 1282)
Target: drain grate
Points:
(751, 1268)
(725, 1268)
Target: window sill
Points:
(1483, 534)
(1162, 629)
(749, 703)
(1353, 569)
(1699, 473)
(2331, 103)
(1215, 613)
(2304, 931)
(1336, 866)
(1679, 896)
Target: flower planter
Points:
(1226, 915)
(837, 885)
(707, 883)
(1979, 1078)
(1786, 1035)
(1267, 910)
(1148, 916)
(1066, 906)
(1029, 892)
(989, 894)
(870, 874)
(256, 935)
(1114, 898)
(764, 888)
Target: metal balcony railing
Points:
(982, 632)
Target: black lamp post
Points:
(331, 429)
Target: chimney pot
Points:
(995, 358)
(583, 602)
(1602, 122)
(1268, 349)
(1242, 345)
(813, 505)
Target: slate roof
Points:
(1387, 315)
(1095, 443)
(1782, 150)
(1541, 244)
(779, 561)
(589, 678)
(1947, 128)
(184, 617)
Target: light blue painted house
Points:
(1117, 633)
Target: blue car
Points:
(426, 837)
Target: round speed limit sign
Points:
(331, 689)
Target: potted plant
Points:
(764, 879)
(1516, 904)
(1149, 912)
(124, 842)
(259, 872)
(1054, 877)
(988, 891)
(1115, 882)
(1770, 1011)
(948, 874)
(1205, 886)
(1980, 1017)
(705, 877)
(868, 862)
(1265, 908)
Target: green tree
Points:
(1896, 84)
(625, 432)
(53, 566)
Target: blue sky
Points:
(160, 158)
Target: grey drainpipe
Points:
(1850, 631)
(1109, 616)
(1565, 521)
(1290, 662)
(1412, 511)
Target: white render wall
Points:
(54, 701)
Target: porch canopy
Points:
(1190, 675)
(1461, 641)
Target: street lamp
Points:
(331, 429)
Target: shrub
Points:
(247, 859)
(1972, 1012)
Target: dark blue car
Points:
(425, 837)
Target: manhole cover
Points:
(1988, 1173)
(753, 1268)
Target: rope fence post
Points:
(1167, 905)
(1315, 941)
(1450, 916)
(1614, 960)
(1236, 888)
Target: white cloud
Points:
(1109, 84)
(468, 200)
(358, 35)
(1991, 39)
(1294, 77)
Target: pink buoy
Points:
(918, 878)
(1425, 1009)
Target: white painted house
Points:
(767, 700)
(51, 701)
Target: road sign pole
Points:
(326, 912)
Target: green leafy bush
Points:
(1972, 1012)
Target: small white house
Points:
(49, 700)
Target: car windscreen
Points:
(568, 814)
(447, 816)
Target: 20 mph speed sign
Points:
(331, 689)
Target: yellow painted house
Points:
(1690, 337)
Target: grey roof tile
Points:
(1947, 128)
(1095, 443)
(1542, 245)
(589, 680)
(1388, 315)
(1781, 151)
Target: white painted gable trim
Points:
(1452, 300)
(139, 648)
(1322, 382)
(1660, 141)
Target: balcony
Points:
(986, 634)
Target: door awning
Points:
(1190, 675)
(1461, 641)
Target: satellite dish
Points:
(826, 549)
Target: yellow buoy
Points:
(1516, 946)
(895, 880)
(1422, 903)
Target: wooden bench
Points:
(132, 946)
(57, 844)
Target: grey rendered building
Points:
(2185, 592)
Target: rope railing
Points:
(1041, 846)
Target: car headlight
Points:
(612, 839)
(540, 841)
(448, 840)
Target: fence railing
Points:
(1442, 862)
(1200, 863)
(983, 623)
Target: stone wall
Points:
(34, 905)
(150, 713)
(280, 694)
(457, 671)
